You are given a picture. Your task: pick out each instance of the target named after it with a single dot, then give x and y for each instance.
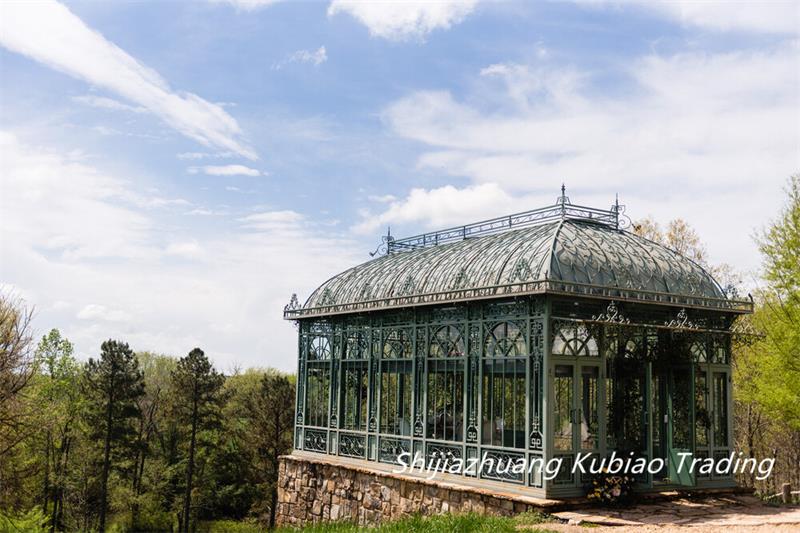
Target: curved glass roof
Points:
(576, 255)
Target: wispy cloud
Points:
(247, 5)
(316, 58)
(399, 21)
(226, 170)
(382, 199)
(103, 102)
(767, 17)
(71, 232)
(51, 34)
(194, 156)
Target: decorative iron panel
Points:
(351, 445)
(502, 466)
(315, 441)
(391, 448)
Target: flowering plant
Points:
(611, 489)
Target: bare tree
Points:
(16, 369)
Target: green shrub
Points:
(33, 521)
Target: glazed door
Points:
(673, 423)
(576, 400)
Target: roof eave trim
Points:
(524, 289)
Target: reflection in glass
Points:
(589, 421)
(563, 386)
(720, 381)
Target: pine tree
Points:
(198, 395)
(114, 383)
(272, 410)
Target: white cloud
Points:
(441, 207)
(103, 102)
(49, 33)
(225, 170)
(707, 135)
(403, 20)
(247, 5)
(77, 244)
(98, 312)
(382, 199)
(188, 249)
(270, 220)
(193, 156)
(769, 17)
(316, 58)
(40, 206)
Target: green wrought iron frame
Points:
(537, 317)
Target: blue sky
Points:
(173, 171)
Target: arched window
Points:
(574, 339)
(319, 348)
(504, 340)
(357, 345)
(447, 342)
(397, 344)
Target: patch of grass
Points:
(449, 523)
(229, 526)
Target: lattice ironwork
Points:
(442, 455)
(504, 466)
(390, 449)
(315, 441)
(351, 445)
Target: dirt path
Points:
(731, 514)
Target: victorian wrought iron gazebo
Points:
(549, 333)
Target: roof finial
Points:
(563, 200)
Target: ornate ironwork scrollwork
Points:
(293, 305)
(681, 321)
(502, 466)
(391, 449)
(352, 445)
(612, 315)
(315, 441)
(385, 246)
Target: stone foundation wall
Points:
(313, 491)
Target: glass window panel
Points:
(397, 345)
(720, 381)
(317, 389)
(701, 416)
(504, 339)
(589, 420)
(445, 399)
(447, 342)
(681, 408)
(354, 395)
(626, 428)
(563, 388)
(395, 398)
(503, 409)
(574, 339)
